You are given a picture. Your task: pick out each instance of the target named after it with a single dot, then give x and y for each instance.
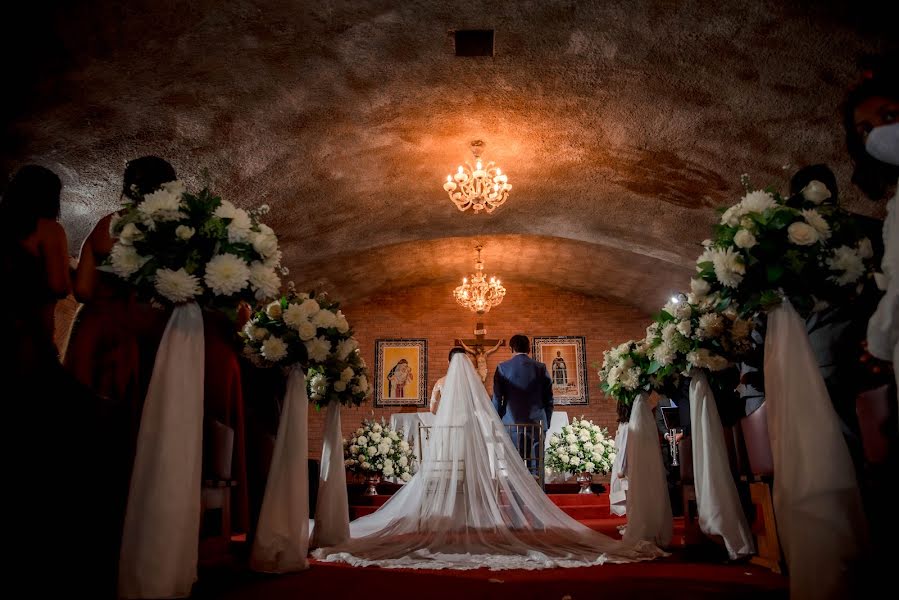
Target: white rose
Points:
(306, 330)
(404, 446)
(589, 467)
(273, 310)
(309, 307)
(575, 461)
(573, 448)
(130, 233)
(125, 260)
(264, 241)
(565, 458)
(377, 428)
(571, 438)
(596, 457)
(388, 471)
(403, 461)
(405, 476)
(361, 440)
(366, 466)
(744, 239)
(184, 232)
(816, 192)
(375, 436)
(802, 234)
(354, 449)
(371, 450)
(360, 431)
(700, 287)
(339, 386)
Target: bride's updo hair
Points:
(454, 352)
(145, 175)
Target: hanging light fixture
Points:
(478, 294)
(480, 187)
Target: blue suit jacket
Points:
(522, 391)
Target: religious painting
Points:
(566, 361)
(401, 367)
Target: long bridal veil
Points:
(474, 504)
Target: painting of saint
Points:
(401, 366)
(400, 376)
(559, 370)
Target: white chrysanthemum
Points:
(744, 239)
(589, 467)
(664, 354)
(703, 359)
(802, 234)
(741, 329)
(631, 378)
(274, 310)
(164, 204)
(130, 233)
(324, 319)
(264, 280)
(729, 267)
(756, 202)
(565, 458)
(403, 461)
(711, 325)
(318, 349)
(571, 438)
(847, 261)
(113, 223)
(227, 274)
(377, 428)
(294, 316)
(682, 310)
(184, 232)
(346, 347)
(404, 446)
(814, 218)
(125, 260)
(274, 349)
(347, 374)
(177, 286)
(575, 461)
(707, 256)
(406, 477)
(363, 383)
(264, 241)
(362, 440)
(684, 328)
(274, 261)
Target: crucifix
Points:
(480, 348)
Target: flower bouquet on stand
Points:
(308, 333)
(191, 251)
(581, 448)
(376, 450)
(625, 371)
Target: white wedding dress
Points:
(473, 503)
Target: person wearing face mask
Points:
(871, 117)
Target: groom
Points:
(522, 393)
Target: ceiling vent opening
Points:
(474, 42)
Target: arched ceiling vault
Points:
(621, 124)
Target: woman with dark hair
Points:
(35, 259)
(111, 328)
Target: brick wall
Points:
(431, 313)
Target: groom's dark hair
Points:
(454, 352)
(520, 343)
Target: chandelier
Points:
(481, 187)
(479, 295)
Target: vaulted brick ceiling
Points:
(621, 124)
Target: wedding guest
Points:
(58, 472)
(618, 480)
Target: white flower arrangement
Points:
(803, 247)
(624, 373)
(581, 447)
(310, 330)
(177, 247)
(377, 449)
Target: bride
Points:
(474, 504)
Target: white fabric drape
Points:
(332, 512)
(473, 503)
(162, 520)
(816, 499)
(618, 485)
(281, 544)
(648, 504)
(717, 500)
